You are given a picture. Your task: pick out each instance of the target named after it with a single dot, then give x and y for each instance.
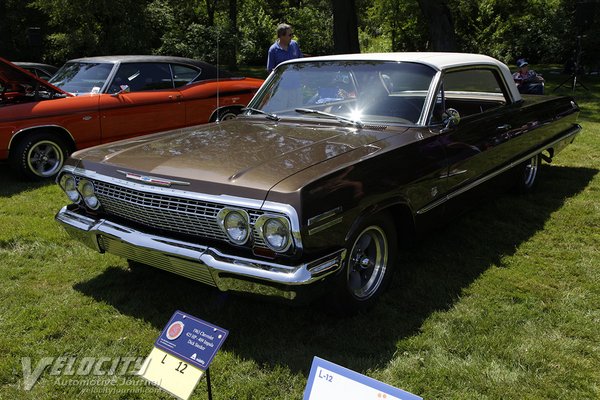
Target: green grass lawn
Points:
(504, 303)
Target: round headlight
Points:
(276, 232)
(236, 226)
(69, 185)
(86, 188)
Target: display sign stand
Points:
(182, 355)
(208, 387)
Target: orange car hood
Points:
(9, 72)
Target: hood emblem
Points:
(152, 180)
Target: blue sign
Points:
(191, 339)
(331, 381)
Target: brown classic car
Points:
(97, 100)
(336, 162)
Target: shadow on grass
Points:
(12, 183)
(432, 277)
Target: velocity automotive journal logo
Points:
(70, 371)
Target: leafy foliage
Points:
(510, 29)
(95, 27)
(543, 31)
(256, 28)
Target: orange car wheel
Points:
(39, 155)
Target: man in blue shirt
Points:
(284, 48)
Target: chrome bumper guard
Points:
(201, 263)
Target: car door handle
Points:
(503, 128)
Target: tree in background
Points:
(94, 27)
(392, 25)
(345, 27)
(17, 17)
(241, 31)
(540, 30)
(441, 26)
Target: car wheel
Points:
(527, 174)
(224, 115)
(369, 265)
(39, 156)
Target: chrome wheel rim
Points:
(530, 171)
(44, 158)
(367, 263)
(228, 115)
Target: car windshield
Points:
(366, 91)
(81, 78)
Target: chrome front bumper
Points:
(201, 263)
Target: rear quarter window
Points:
(183, 74)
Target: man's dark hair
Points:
(282, 29)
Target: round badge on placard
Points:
(175, 330)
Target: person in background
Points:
(284, 47)
(527, 80)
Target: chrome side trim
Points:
(571, 132)
(325, 226)
(322, 217)
(429, 103)
(202, 263)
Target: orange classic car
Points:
(96, 100)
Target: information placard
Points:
(170, 373)
(182, 353)
(191, 339)
(330, 381)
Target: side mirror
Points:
(451, 119)
(124, 89)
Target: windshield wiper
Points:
(270, 116)
(353, 122)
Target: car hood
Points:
(9, 72)
(240, 152)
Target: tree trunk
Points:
(345, 27)
(210, 11)
(441, 26)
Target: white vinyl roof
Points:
(436, 60)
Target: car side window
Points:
(470, 92)
(183, 74)
(142, 76)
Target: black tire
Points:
(527, 174)
(39, 155)
(228, 113)
(371, 257)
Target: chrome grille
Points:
(165, 212)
